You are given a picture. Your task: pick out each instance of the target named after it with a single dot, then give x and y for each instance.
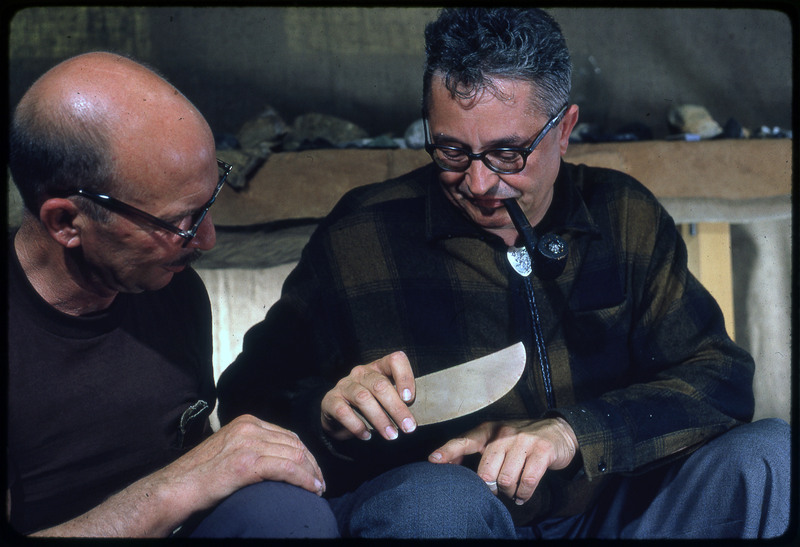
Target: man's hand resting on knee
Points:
(515, 454)
(243, 452)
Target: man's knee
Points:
(425, 500)
(750, 466)
(761, 445)
(445, 481)
(270, 510)
(436, 485)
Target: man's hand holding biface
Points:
(380, 391)
(516, 454)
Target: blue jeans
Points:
(736, 486)
(269, 510)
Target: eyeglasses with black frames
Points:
(505, 161)
(116, 205)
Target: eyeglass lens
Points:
(500, 160)
(504, 161)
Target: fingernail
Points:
(319, 487)
(366, 435)
(492, 486)
(406, 395)
(519, 501)
(436, 457)
(391, 432)
(409, 425)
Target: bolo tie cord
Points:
(538, 337)
(524, 266)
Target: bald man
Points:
(110, 378)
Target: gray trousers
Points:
(736, 486)
(266, 510)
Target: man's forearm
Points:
(241, 453)
(147, 508)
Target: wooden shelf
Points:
(307, 184)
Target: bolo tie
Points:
(546, 257)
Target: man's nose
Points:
(206, 236)
(480, 179)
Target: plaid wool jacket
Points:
(639, 360)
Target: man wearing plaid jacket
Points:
(632, 416)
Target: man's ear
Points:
(63, 221)
(567, 125)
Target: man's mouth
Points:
(487, 206)
(184, 261)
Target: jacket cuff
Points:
(604, 440)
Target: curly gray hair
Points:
(469, 46)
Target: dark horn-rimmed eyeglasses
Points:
(505, 161)
(104, 200)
